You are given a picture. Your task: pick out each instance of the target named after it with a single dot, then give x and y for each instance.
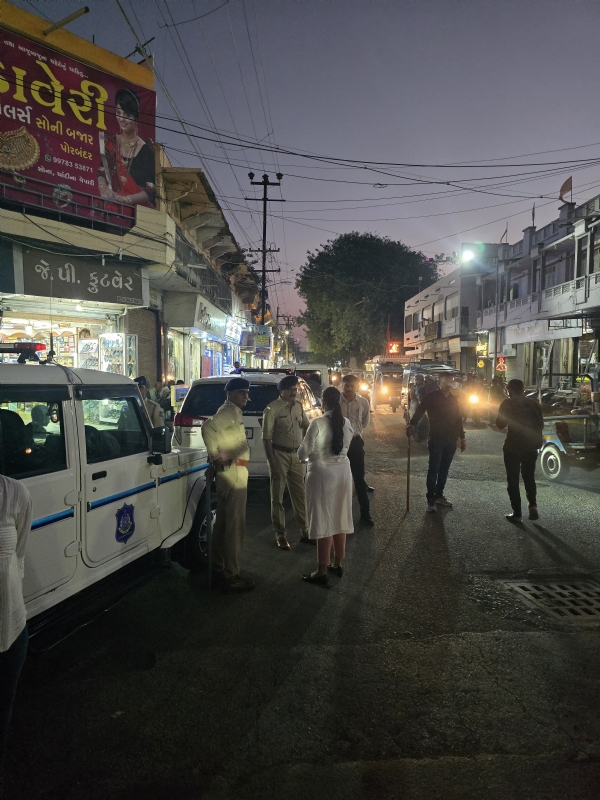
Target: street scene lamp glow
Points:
(468, 255)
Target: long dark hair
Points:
(331, 396)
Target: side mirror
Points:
(161, 440)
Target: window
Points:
(582, 249)
(415, 325)
(114, 428)
(408, 324)
(452, 306)
(426, 315)
(438, 311)
(32, 432)
(205, 399)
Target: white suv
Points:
(205, 397)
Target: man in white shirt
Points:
(356, 409)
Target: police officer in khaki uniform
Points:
(225, 439)
(284, 426)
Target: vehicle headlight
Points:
(473, 399)
(364, 386)
(384, 390)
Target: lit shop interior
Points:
(85, 335)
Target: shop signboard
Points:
(73, 138)
(233, 330)
(394, 348)
(54, 275)
(209, 318)
(454, 345)
(262, 341)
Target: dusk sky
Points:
(431, 82)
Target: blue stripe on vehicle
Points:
(43, 521)
(195, 469)
(183, 473)
(168, 478)
(113, 497)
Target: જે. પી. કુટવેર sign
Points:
(78, 136)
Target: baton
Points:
(408, 476)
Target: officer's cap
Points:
(288, 382)
(237, 383)
(142, 380)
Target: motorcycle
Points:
(473, 407)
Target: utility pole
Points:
(287, 333)
(265, 183)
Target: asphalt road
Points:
(420, 674)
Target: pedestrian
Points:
(283, 428)
(328, 486)
(445, 428)
(154, 394)
(237, 368)
(525, 422)
(15, 525)
(225, 439)
(155, 412)
(356, 409)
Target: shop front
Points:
(76, 306)
(197, 343)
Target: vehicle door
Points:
(120, 500)
(39, 447)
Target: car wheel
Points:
(192, 551)
(554, 464)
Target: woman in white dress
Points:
(328, 485)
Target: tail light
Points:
(188, 421)
(260, 419)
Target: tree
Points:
(352, 286)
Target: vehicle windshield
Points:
(310, 375)
(393, 378)
(205, 399)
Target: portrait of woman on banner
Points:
(127, 170)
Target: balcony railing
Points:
(62, 202)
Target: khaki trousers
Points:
(230, 525)
(292, 476)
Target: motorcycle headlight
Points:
(473, 399)
(384, 390)
(364, 387)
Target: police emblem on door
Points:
(125, 523)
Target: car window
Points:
(113, 428)
(205, 399)
(32, 437)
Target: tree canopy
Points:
(352, 285)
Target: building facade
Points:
(528, 310)
(110, 256)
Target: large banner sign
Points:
(73, 138)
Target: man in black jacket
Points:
(445, 428)
(525, 423)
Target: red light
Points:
(189, 421)
(21, 347)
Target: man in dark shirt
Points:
(445, 427)
(525, 423)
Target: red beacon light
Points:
(28, 351)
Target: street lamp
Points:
(467, 256)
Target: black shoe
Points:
(282, 542)
(236, 585)
(367, 519)
(306, 540)
(533, 512)
(370, 488)
(339, 571)
(514, 517)
(321, 580)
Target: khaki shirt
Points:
(283, 424)
(224, 434)
(155, 412)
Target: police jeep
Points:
(107, 488)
